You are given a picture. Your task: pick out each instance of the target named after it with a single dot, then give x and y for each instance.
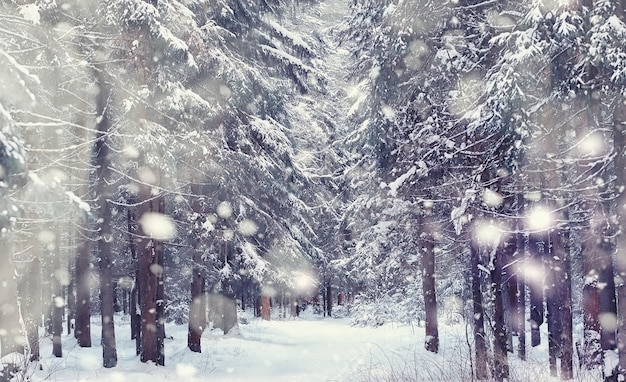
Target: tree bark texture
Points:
(430, 298)
(480, 341)
(501, 365)
(150, 280)
(105, 237)
(197, 307)
(58, 303)
(265, 307)
(82, 326)
(536, 289)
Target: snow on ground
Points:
(309, 348)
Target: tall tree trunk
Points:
(536, 291)
(265, 307)
(31, 308)
(428, 286)
(522, 256)
(82, 325)
(501, 365)
(58, 303)
(329, 300)
(135, 317)
(105, 237)
(552, 307)
(480, 342)
(197, 308)
(160, 294)
(619, 144)
(150, 279)
(563, 274)
(71, 305)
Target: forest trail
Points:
(307, 349)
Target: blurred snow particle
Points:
(225, 91)
(126, 282)
(464, 98)
(496, 20)
(156, 269)
(30, 12)
(63, 276)
(228, 234)
(539, 219)
(146, 175)
(185, 370)
(304, 282)
(374, 73)
(224, 210)
(533, 271)
(592, 145)
(608, 321)
(268, 290)
(59, 302)
(388, 112)
(488, 232)
(158, 226)
(131, 152)
(533, 196)
(247, 227)
(416, 51)
(47, 238)
(492, 198)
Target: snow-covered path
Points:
(305, 349)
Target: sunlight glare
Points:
(539, 219)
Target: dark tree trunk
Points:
(536, 290)
(521, 312)
(512, 293)
(71, 306)
(257, 305)
(135, 317)
(105, 264)
(47, 274)
(619, 143)
(329, 300)
(552, 307)
(522, 256)
(58, 304)
(150, 275)
(564, 299)
(197, 307)
(608, 303)
(430, 298)
(160, 296)
(501, 365)
(82, 325)
(480, 342)
(30, 297)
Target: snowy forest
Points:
(444, 181)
